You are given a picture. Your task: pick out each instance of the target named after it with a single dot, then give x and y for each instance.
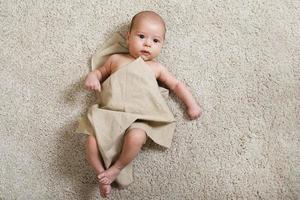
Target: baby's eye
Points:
(156, 40)
(141, 36)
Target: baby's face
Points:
(146, 39)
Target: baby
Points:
(145, 40)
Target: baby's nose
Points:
(148, 43)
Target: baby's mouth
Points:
(145, 52)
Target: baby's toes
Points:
(104, 180)
(101, 175)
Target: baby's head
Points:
(146, 35)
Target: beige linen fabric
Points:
(116, 44)
(129, 94)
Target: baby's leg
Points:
(133, 141)
(93, 155)
(94, 159)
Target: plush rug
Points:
(240, 59)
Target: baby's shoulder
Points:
(156, 67)
(117, 60)
(116, 57)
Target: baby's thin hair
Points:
(147, 13)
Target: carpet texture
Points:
(240, 59)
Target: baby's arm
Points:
(180, 90)
(93, 79)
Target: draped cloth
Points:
(130, 98)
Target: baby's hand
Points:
(92, 82)
(194, 112)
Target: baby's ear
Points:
(127, 37)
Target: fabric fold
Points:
(116, 44)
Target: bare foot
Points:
(108, 176)
(104, 190)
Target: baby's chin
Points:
(146, 58)
(143, 56)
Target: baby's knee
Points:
(136, 136)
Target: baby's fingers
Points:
(194, 114)
(95, 88)
(98, 87)
(88, 85)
